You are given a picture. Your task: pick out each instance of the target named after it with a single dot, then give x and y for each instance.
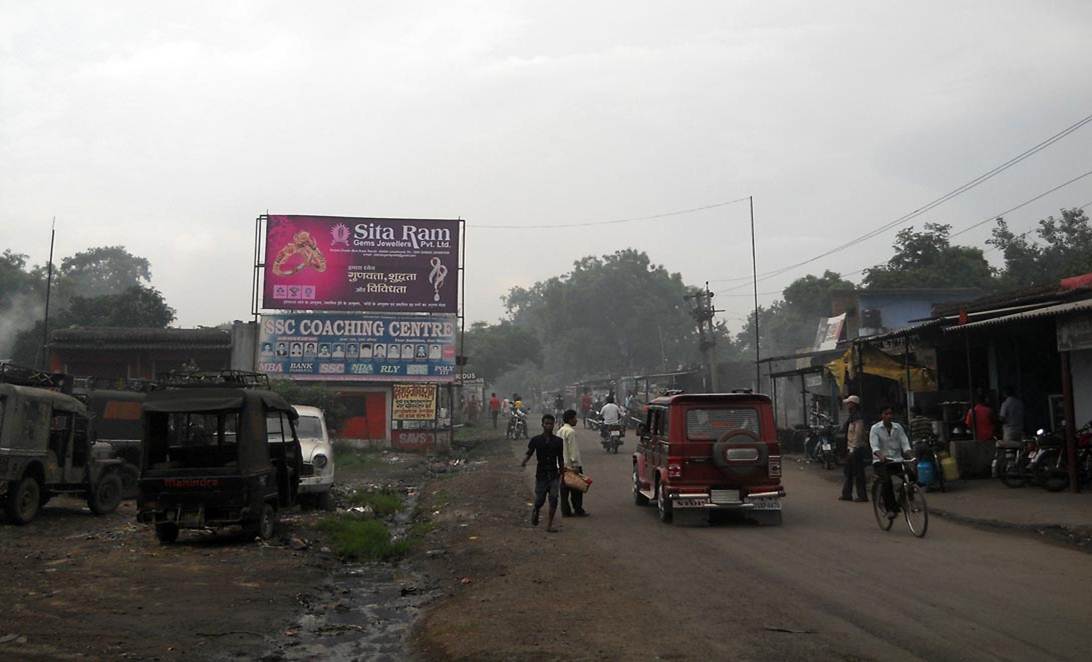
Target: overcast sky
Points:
(167, 127)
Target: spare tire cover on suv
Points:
(736, 443)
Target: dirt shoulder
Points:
(513, 591)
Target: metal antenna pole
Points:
(754, 275)
(49, 286)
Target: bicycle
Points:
(910, 497)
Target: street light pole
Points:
(754, 276)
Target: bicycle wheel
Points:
(877, 507)
(915, 510)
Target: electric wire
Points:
(551, 226)
(973, 183)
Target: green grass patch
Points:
(362, 539)
(349, 459)
(383, 502)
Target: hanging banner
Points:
(361, 264)
(414, 402)
(358, 347)
(829, 332)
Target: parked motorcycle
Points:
(819, 444)
(1033, 464)
(1055, 470)
(611, 437)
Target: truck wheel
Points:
(166, 532)
(24, 500)
(638, 498)
(663, 506)
(106, 494)
(267, 522)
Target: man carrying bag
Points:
(573, 484)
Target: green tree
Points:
(101, 270)
(790, 323)
(928, 259)
(1066, 250)
(494, 349)
(611, 314)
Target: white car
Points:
(318, 454)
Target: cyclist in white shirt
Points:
(889, 446)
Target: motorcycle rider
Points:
(611, 414)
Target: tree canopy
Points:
(928, 259)
(1065, 250)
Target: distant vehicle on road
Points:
(709, 453)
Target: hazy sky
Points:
(167, 127)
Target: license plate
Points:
(615, 433)
(766, 503)
(690, 502)
(724, 496)
(826, 446)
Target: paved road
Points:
(843, 588)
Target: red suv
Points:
(710, 452)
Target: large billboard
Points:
(358, 347)
(361, 264)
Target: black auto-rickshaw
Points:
(216, 457)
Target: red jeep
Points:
(710, 452)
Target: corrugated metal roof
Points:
(1048, 311)
(138, 338)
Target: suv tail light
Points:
(775, 466)
(674, 471)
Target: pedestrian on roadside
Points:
(979, 419)
(858, 452)
(921, 426)
(494, 408)
(1012, 416)
(548, 450)
(572, 501)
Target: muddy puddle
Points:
(363, 611)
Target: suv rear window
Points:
(710, 424)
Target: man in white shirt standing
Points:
(572, 501)
(889, 446)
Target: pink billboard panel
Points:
(361, 264)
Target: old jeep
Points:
(45, 450)
(217, 456)
(709, 453)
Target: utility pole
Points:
(702, 311)
(43, 363)
(754, 276)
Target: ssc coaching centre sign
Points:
(354, 347)
(361, 264)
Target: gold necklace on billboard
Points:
(436, 277)
(303, 244)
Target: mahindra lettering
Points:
(709, 453)
(361, 264)
(217, 454)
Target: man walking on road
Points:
(494, 409)
(548, 450)
(889, 446)
(572, 501)
(857, 449)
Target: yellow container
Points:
(949, 467)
